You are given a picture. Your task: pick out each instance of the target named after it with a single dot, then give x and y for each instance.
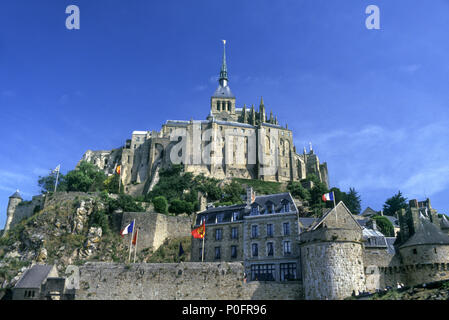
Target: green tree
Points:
(352, 201)
(233, 192)
(86, 177)
(47, 183)
(298, 191)
(394, 204)
(111, 184)
(384, 225)
(124, 202)
(160, 204)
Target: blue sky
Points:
(374, 103)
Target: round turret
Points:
(332, 257)
(13, 202)
(425, 255)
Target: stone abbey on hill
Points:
(231, 142)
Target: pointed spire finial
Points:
(224, 70)
(261, 101)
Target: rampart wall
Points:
(177, 281)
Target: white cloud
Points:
(413, 160)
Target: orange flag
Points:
(119, 168)
(200, 232)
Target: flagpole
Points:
(204, 236)
(57, 177)
(120, 179)
(135, 247)
(131, 240)
(336, 213)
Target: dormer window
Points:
(285, 206)
(219, 218)
(255, 211)
(270, 207)
(235, 216)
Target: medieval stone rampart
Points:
(155, 228)
(180, 281)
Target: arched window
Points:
(267, 145)
(218, 105)
(229, 106)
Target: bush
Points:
(124, 202)
(384, 225)
(298, 191)
(160, 204)
(181, 206)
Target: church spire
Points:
(224, 70)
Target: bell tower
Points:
(223, 101)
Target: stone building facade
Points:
(263, 233)
(231, 142)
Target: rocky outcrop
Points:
(82, 215)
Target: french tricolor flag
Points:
(328, 196)
(127, 229)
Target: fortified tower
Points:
(13, 202)
(424, 248)
(332, 256)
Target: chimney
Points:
(372, 224)
(413, 203)
(250, 196)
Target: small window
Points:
(254, 231)
(233, 251)
(234, 233)
(235, 216)
(286, 226)
(217, 252)
(218, 234)
(287, 248)
(255, 249)
(270, 250)
(269, 230)
(415, 251)
(220, 217)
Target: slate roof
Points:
(427, 233)
(34, 277)
(369, 212)
(390, 244)
(16, 195)
(307, 222)
(444, 223)
(242, 209)
(223, 92)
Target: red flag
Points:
(118, 169)
(200, 232)
(135, 238)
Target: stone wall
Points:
(382, 269)
(177, 281)
(155, 228)
(425, 263)
(18, 210)
(332, 270)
